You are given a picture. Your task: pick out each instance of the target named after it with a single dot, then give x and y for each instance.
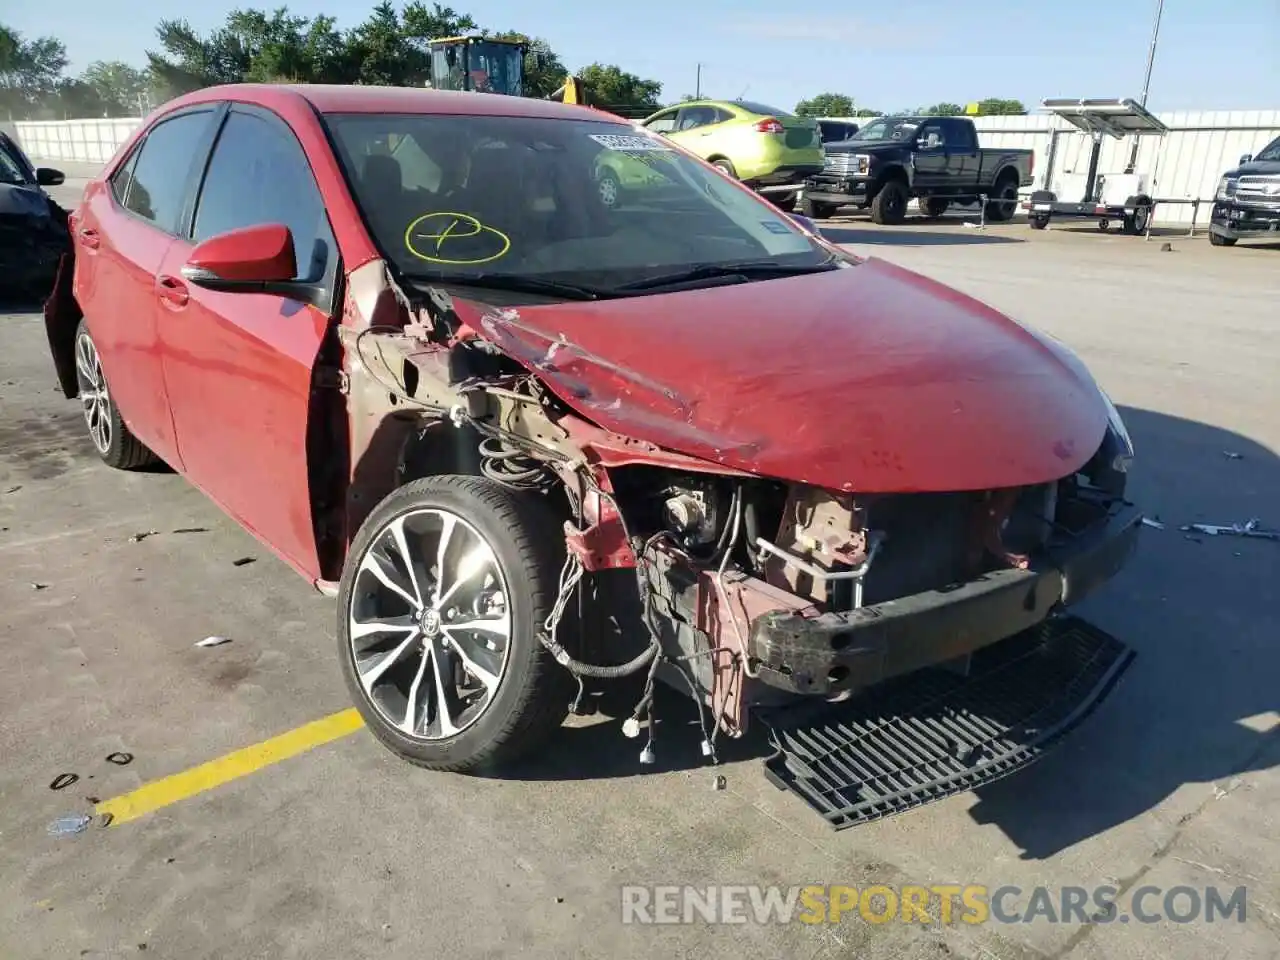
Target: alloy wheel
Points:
(429, 624)
(94, 396)
(608, 191)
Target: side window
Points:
(160, 174)
(121, 179)
(10, 170)
(930, 137)
(663, 122)
(722, 116)
(693, 117)
(258, 174)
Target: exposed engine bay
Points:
(740, 588)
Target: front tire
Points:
(889, 208)
(1218, 240)
(111, 437)
(445, 589)
(815, 210)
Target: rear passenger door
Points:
(239, 365)
(125, 227)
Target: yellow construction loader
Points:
(486, 65)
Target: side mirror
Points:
(255, 259)
(48, 177)
(1245, 158)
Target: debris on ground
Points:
(719, 782)
(1152, 522)
(63, 780)
(69, 826)
(1232, 455)
(213, 641)
(14, 489)
(243, 561)
(120, 758)
(192, 530)
(1166, 248)
(39, 586)
(139, 537)
(1250, 528)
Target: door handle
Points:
(89, 237)
(172, 291)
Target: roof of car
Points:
(334, 98)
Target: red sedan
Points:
(533, 441)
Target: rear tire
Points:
(609, 190)
(932, 207)
(1136, 223)
(786, 204)
(1039, 221)
(889, 208)
(471, 642)
(1218, 240)
(111, 437)
(815, 210)
(1003, 203)
(726, 167)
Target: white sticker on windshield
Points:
(625, 142)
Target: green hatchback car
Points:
(758, 144)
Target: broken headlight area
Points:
(739, 589)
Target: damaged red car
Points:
(534, 441)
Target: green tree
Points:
(121, 89)
(611, 88)
(30, 72)
(942, 110)
(994, 106)
(826, 105)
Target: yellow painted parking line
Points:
(240, 763)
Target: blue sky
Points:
(1211, 55)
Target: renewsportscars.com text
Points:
(939, 903)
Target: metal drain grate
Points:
(933, 733)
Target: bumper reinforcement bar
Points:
(934, 733)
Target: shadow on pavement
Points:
(909, 235)
(1199, 610)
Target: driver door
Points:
(239, 365)
(930, 157)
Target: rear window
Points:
(761, 108)
(584, 201)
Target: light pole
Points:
(1151, 54)
(697, 91)
(1146, 80)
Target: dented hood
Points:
(871, 379)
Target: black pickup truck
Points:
(1248, 199)
(935, 159)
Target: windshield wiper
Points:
(515, 283)
(747, 269)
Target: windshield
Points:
(583, 201)
(890, 128)
(1271, 151)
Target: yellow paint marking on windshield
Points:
(442, 226)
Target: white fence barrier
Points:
(80, 141)
(1187, 163)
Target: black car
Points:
(33, 229)
(1248, 199)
